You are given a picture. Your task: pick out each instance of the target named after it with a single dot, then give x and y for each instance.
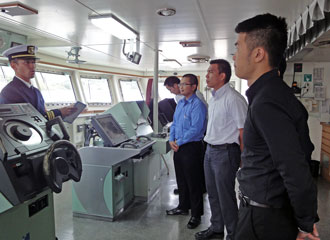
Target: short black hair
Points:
(170, 81)
(268, 31)
(282, 67)
(223, 67)
(192, 79)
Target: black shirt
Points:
(276, 144)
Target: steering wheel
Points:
(61, 163)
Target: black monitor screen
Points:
(109, 130)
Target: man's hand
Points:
(174, 146)
(66, 111)
(309, 236)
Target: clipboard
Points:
(80, 107)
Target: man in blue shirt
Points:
(187, 132)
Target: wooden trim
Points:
(325, 148)
(326, 141)
(326, 129)
(199, 83)
(326, 135)
(93, 70)
(101, 71)
(94, 111)
(325, 173)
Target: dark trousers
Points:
(187, 164)
(220, 165)
(256, 223)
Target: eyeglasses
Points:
(184, 84)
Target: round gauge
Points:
(23, 132)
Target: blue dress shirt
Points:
(189, 123)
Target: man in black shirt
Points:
(278, 195)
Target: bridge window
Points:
(130, 90)
(163, 92)
(6, 75)
(96, 90)
(55, 88)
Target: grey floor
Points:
(149, 221)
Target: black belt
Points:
(245, 201)
(223, 146)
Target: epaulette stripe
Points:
(48, 115)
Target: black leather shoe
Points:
(176, 191)
(194, 222)
(208, 234)
(176, 211)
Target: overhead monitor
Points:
(134, 57)
(109, 130)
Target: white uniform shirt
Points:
(25, 82)
(226, 114)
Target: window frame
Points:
(2, 64)
(59, 72)
(162, 83)
(96, 104)
(129, 80)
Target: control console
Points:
(34, 155)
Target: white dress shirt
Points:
(25, 82)
(226, 114)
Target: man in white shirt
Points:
(226, 117)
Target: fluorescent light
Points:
(113, 25)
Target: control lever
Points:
(61, 163)
(54, 136)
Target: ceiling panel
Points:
(61, 24)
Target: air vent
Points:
(198, 58)
(191, 44)
(17, 9)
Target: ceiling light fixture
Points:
(17, 9)
(113, 25)
(166, 12)
(173, 62)
(191, 44)
(198, 58)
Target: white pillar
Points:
(155, 92)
